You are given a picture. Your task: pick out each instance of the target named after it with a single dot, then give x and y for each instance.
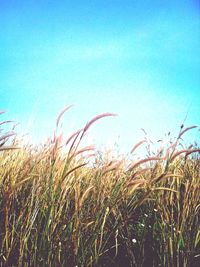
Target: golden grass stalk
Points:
(8, 148)
(138, 183)
(137, 145)
(85, 149)
(135, 165)
(5, 122)
(186, 129)
(6, 136)
(75, 134)
(61, 114)
(138, 173)
(89, 124)
(186, 151)
(113, 166)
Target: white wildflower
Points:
(134, 240)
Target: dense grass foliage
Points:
(58, 210)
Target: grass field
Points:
(63, 204)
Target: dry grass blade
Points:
(84, 196)
(160, 177)
(186, 129)
(113, 166)
(143, 161)
(75, 134)
(172, 147)
(87, 126)
(75, 168)
(137, 173)
(21, 182)
(165, 189)
(188, 152)
(4, 122)
(138, 182)
(137, 145)
(85, 149)
(61, 114)
(8, 148)
(5, 136)
(192, 151)
(89, 155)
(166, 176)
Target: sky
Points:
(139, 59)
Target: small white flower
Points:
(150, 226)
(134, 240)
(142, 224)
(145, 215)
(174, 229)
(155, 210)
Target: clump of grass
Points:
(56, 210)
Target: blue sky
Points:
(139, 59)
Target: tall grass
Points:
(56, 210)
